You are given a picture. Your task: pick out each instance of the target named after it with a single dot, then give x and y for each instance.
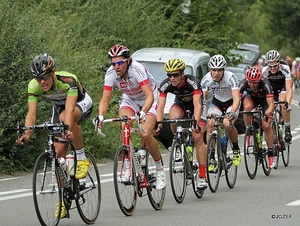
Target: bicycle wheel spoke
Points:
(250, 153)
(89, 189)
(46, 191)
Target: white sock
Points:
(159, 165)
(80, 154)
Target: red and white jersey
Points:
(138, 76)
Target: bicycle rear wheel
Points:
(89, 193)
(126, 191)
(156, 197)
(265, 163)
(213, 158)
(177, 172)
(250, 153)
(46, 188)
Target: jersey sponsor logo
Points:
(67, 79)
(123, 85)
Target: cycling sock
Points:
(159, 165)
(80, 154)
(287, 126)
(202, 171)
(270, 152)
(235, 146)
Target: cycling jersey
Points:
(277, 80)
(65, 85)
(138, 76)
(264, 90)
(222, 90)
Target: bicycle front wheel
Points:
(213, 163)
(156, 197)
(250, 153)
(89, 193)
(46, 186)
(265, 162)
(177, 172)
(125, 186)
(231, 171)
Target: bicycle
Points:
(254, 152)
(281, 147)
(183, 171)
(54, 186)
(141, 170)
(220, 156)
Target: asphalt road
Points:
(272, 200)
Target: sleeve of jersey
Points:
(33, 91)
(141, 75)
(234, 82)
(109, 80)
(204, 84)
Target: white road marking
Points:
(295, 203)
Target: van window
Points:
(199, 72)
(205, 68)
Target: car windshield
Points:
(157, 70)
(247, 55)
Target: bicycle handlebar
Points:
(177, 120)
(123, 118)
(218, 117)
(46, 125)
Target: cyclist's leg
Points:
(269, 136)
(286, 117)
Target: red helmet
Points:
(254, 74)
(118, 50)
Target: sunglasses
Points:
(174, 75)
(119, 63)
(43, 77)
(273, 66)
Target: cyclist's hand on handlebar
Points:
(22, 140)
(196, 128)
(70, 135)
(156, 132)
(98, 121)
(287, 107)
(230, 116)
(142, 116)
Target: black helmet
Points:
(41, 64)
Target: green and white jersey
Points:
(65, 85)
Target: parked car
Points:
(249, 54)
(240, 74)
(154, 59)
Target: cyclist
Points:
(279, 75)
(71, 105)
(225, 88)
(140, 95)
(259, 92)
(189, 96)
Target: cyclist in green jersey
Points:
(71, 105)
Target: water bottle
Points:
(189, 152)
(259, 139)
(280, 131)
(142, 156)
(70, 164)
(223, 138)
(62, 163)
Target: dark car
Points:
(249, 54)
(240, 74)
(154, 59)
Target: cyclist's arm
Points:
(31, 117)
(236, 100)
(271, 106)
(197, 107)
(149, 97)
(289, 91)
(161, 106)
(69, 111)
(103, 105)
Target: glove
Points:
(142, 115)
(288, 108)
(231, 115)
(98, 119)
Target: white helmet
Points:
(272, 56)
(217, 62)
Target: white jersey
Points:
(138, 76)
(222, 90)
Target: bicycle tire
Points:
(126, 193)
(275, 145)
(46, 192)
(286, 154)
(231, 172)
(213, 177)
(250, 153)
(156, 197)
(198, 193)
(89, 193)
(177, 172)
(265, 164)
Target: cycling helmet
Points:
(272, 56)
(174, 64)
(118, 50)
(41, 64)
(217, 62)
(254, 74)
